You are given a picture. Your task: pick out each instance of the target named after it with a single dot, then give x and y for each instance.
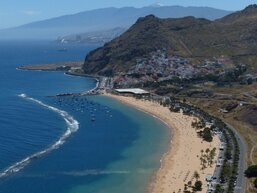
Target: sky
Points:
(17, 12)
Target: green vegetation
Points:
(225, 172)
(229, 170)
(175, 109)
(190, 188)
(205, 132)
(230, 165)
(196, 175)
(251, 171)
(207, 135)
(207, 158)
(198, 186)
(219, 189)
(242, 117)
(198, 124)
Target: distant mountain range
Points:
(103, 20)
(234, 36)
(101, 36)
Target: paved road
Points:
(241, 181)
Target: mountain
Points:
(93, 37)
(249, 13)
(103, 19)
(233, 36)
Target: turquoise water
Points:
(139, 161)
(42, 153)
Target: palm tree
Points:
(196, 175)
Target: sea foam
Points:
(72, 126)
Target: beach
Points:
(117, 152)
(179, 164)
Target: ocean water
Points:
(71, 144)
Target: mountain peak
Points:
(251, 9)
(157, 4)
(187, 37)
(249, 13)
(253, 6)
(150, 17)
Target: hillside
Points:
(102, 20)
(93, 37)
(234, 36)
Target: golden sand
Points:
(181, 161)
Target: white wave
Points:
(72, 126)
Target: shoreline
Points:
(58, 66)
(96, 78)
(171, 134)
(168, 177)
(66, 72)
(174, 169)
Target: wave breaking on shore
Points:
(72, 126)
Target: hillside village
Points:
(160, 67)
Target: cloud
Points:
(31, 12)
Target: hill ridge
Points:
(101, 19)
(189, 37)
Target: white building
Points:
(135, 91)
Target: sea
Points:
(51, 144)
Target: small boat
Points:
(63, 50)
(64, 94)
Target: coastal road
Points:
(241, 180)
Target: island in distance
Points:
(101, 22)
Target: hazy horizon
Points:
(29, 11)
